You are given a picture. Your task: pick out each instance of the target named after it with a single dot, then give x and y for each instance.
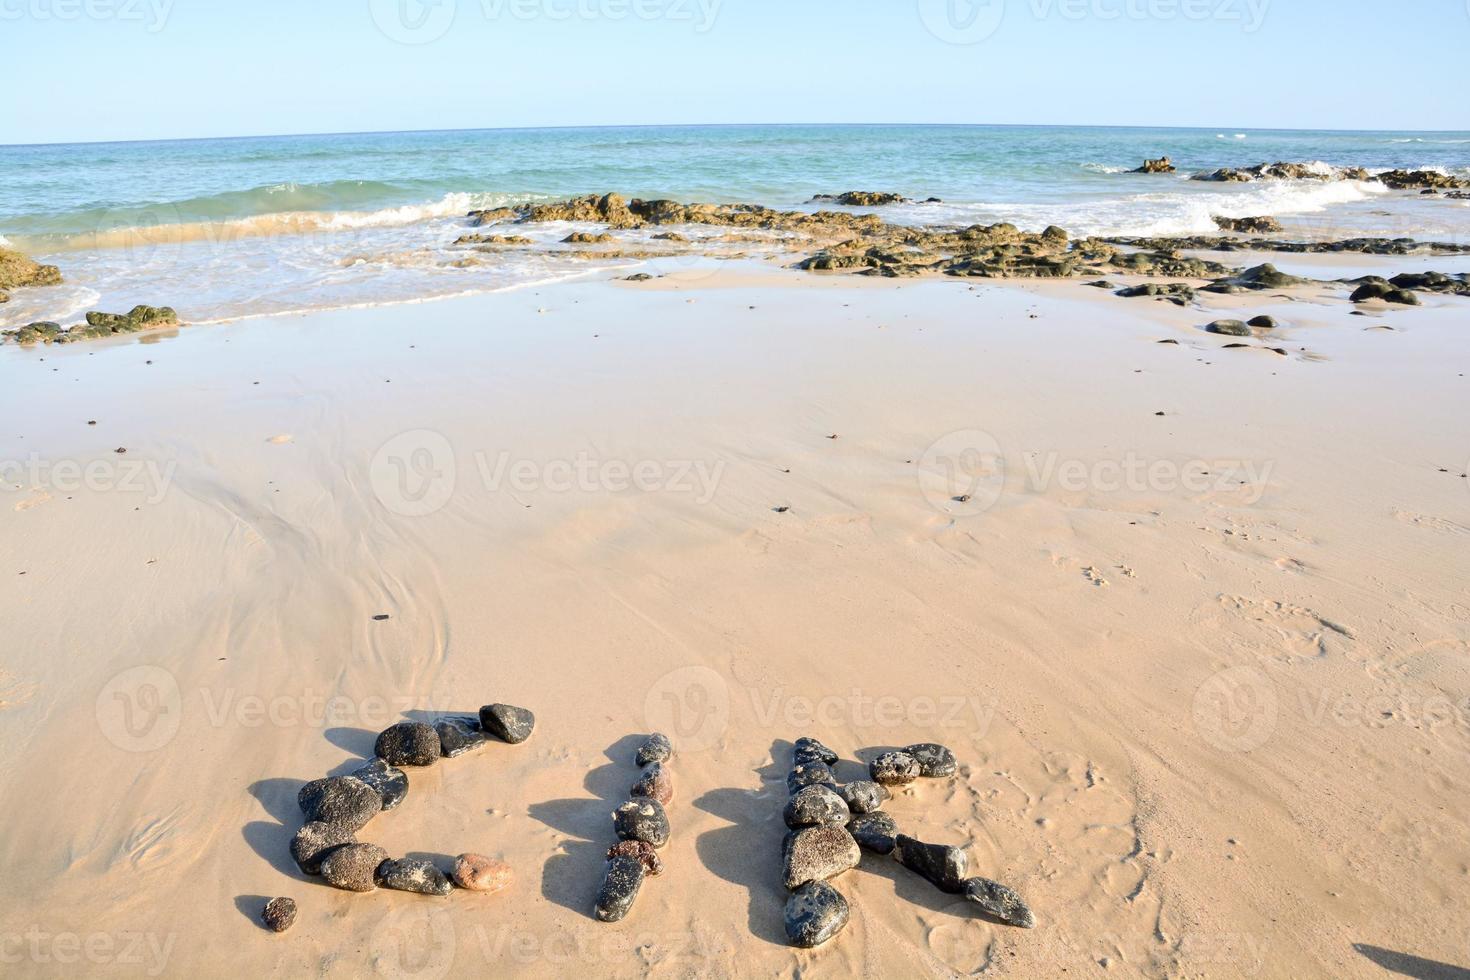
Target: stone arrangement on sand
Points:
(831, 824)
(338, 807)
(642, 827)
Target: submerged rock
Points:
(998, 900)
(943, 866)
(810, 774)
(410, 875)
(809, 750)
(642, 819)
(507, 722)
(935, 761)
(1249, 226)
(390, 783)
(817, 854)
(860, 199)
(816, 806)
(459, 735)
(863, 796)
(655, 784)
(340, 800)
(315, 842)
(588, 238)
(643, 851)
(1163, 165)
(815, 913)
(619, 889)
(408, 743)
(894, 769)
(875, 831)
(655, 748)
(478, 873)
(354, 867)
(279, 914)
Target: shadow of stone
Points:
(1409, 965)
(251, 906)
(358, 741)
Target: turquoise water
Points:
(240, 226)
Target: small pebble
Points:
(477, 873)
(507, 722)
(279, 914)
(998, 900)
(656, 748)
(815, 913)
(935, 761)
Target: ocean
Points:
(228, 228)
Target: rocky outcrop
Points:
(1163, 165)
(97, 325)
(1401, 180)
(861, 199)
(17, 271)
(1249, 226)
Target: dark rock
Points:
(1262, 322)
(642, 819)
(315, 842)
(815, 913)
(507, 723)
(1230, 328)
(340, 800)
(390, 783)
(1101, 284)
(1160, 166)
(863, 796)
(409, 875)
(638, 277)
(1401, 180)
(810, 774)
(1178, 293)
(876, 832)
(1264, 276)
(860, 199)
(1249, 226)
(999, 901)
(655, 748)
(459, 735)
(279, 914)
(408, 743)
(353, 867)
(494, 240)
(1383, 291)
(619, 888)
(935, 761)
(943, 866)
(810, 750)
(588, 238)
(817, 854)
(894, 769)
(816, 806)
(643, 851)
(655, 784)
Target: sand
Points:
(1206, 671)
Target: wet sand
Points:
(1206, 671)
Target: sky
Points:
(93, 70)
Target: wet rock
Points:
(409, 875)
(619, 889)
(1226, 175)
(817, 854)
(1101, 284)
(315, 842)
(507, 723)
(815, 913)
(935, 761)
(279, 914)
(588, 238)
(1249, 226)
(340, 800)
(459, 735)
(494, 240)
(816, 806)
(1178, 293)
(408, 743)
(1262, 322)
(810, 774)
(642, 819)
(860, 199)
(1401, 180)
(1162, 165)
(999, 901)
(941, 865)
(1230, 328)
(655, 784)
(1166, 263)
(876, 832)
(1381, 290)
(894, 769)
(1264, 276)
(669, 236)
(390, 783)
(478, 873)
(17, 271)
(643, 851)
(353, 867)
(1433, 282)
(809, 750)
(638, 277)
(863, 796)
(655, 748)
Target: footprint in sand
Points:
(1095, 576)
(1432, 523)
(1296, 630)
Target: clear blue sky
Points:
(77, 70)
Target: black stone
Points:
(391, 783)
(507, 722)
(811, 750)
(816, 806)
(315, 842)
(863, 796)
(408, 743)
(1230, 328)
(409, 875)
(935, 761)
(810, 774)
(1263, 322)
(943, 866)
(642, 819)
(619, 888)
(876, 832)
(341, 800)
(279, 914)
(894, 769)
(459, 735)
(655, 748)
(353, 867)
(815, 913)
(999, 901)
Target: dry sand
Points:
(1206, 671)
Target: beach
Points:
(1192, 616)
